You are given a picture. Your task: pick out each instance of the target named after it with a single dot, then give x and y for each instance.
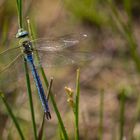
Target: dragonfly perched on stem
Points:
(47, 50)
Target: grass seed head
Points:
(69, 92)
(71, 102)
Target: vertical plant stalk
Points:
(64, 132)
(55, 106)
(49, 89)
(122, 113)
(60, 133)
(76, 110)
(30, 98)
(101, 115)
(19, 8)
(40, 133)
(12, 116)
(30, 29)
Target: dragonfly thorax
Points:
(27, 47)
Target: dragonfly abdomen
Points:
(39, 86)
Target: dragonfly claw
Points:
(48, 115)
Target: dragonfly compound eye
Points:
(21, 33)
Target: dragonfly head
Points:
(21, 33)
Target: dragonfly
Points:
(28, 48)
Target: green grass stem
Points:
(128, 7)
(11, 114)
(60, 133)
(40, 133)
(55, 106)
(19, 8)
(49, 89)
(30, 99)
(76, 110)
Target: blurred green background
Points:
(113, 29)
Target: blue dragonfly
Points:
(47, 49)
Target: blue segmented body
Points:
(39, 86)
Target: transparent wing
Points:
(58, 43)
(8, 56)
(9, 77)
(9, 67)
(60, 58)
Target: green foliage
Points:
(88, 11)
(132, 7)
(97, 13)
(7, 13)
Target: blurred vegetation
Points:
(97, 12)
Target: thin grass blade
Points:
(77, 105)
(40, 133)
(9, 110)
(19, 8)
(30, 98)
(55, 107)
(49, 89)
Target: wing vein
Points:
(11, 63)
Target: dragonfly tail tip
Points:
(48, 115)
